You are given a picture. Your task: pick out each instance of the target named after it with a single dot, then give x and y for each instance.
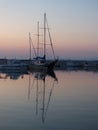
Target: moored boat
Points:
(41, 63)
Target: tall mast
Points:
(44, 35)
(38, 39)
(43, 106)
(30, 44)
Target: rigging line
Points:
(31, 86)
(33, 47)
(51, 91)
(50, 38)
(31, 42)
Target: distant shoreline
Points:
(61, 64)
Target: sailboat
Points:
(41, 63)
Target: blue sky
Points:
(73, 25)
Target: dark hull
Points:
(48, 66)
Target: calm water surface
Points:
(35, 102)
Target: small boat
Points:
(41, 63)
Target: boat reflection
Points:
(12, 74)
(45, 83)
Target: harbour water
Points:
(66, 100)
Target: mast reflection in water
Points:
(37, 100)
(42, 82)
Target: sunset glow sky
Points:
(73, 25)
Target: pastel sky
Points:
(73, 25)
